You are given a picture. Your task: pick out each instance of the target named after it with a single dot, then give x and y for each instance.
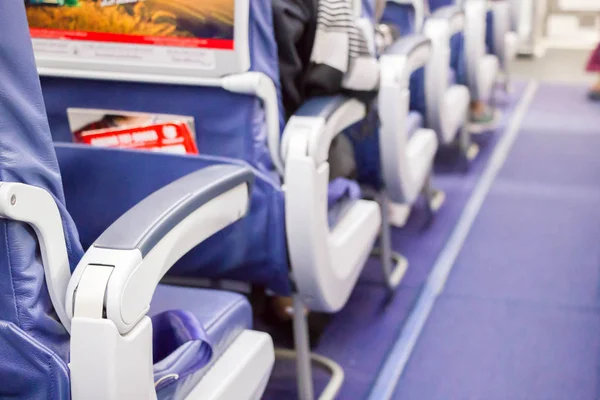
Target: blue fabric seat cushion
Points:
(187, 343)
(251, 250)
(451, 77)
(413, 123)
(341, 194)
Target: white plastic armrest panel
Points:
(503, 36)
(325, 264)
(475, 49)
(454, 16)
(36, 207)
(398, 63)
(325, 118)
(260, 85)
(438, 30)
(242, 371)
(412, 52)
(142, 245)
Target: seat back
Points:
(33, 343)
(436, 4)
(402, 14)
(228, 124)
(231, 125)
(408, 17)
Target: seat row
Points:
(87, 234)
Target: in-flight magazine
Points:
(133, 130)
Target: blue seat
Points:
(437, 91)
(285, 243)
(54, 342)
(482, 67)
(173, 308)
(394, 154)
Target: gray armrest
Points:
(454, 15)
(143, 226)
(321, 107)
(447, 12)
(121, 270)
(320, 120)
(406, 55)
(409, 45)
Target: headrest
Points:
(178, 39)
(26, 156)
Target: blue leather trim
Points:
(29, 370)
(144, 225)
(322, 107)
(26, 156)
(408, 45)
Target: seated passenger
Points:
(594, 67)
(308, 69)
(306, 73)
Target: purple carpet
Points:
(360, 336)
(520, 314)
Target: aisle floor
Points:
(519, 317)
(361, 336)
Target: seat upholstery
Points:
(341, 195)
(228, 314)
(436, 4)
(228, 125)
(222, 317)
(233, 253)
(413, 123)
(34, 345)
(400, 15)
(31, 337)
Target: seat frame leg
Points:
(468, 149)
(305, 359)
(302, 343)
(434, 197)
(394, 265)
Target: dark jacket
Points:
(295, 23)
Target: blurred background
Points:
(556, 38)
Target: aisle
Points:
(362, 334)
(519, 316)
